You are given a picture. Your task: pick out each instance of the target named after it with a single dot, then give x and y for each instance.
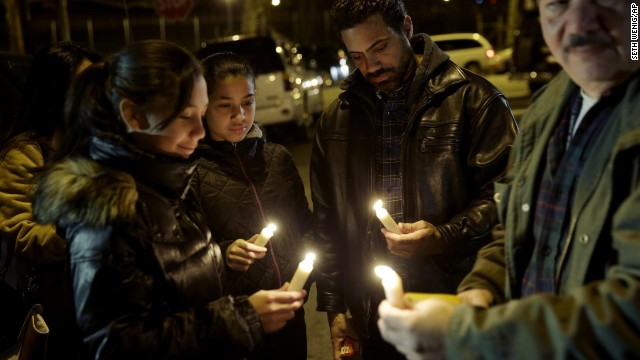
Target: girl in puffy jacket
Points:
(145, 271)
(245, 183)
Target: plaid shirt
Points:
(555, 196)
(388, 154)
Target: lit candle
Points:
(385, 218)
(392, 284)
(302, 273)
(265, 235)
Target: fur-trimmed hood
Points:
(81, 190)
(103, 188)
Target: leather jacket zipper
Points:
(264, 220)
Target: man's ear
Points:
(133, 118)
(407, 26)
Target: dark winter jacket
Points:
(242, 186)
(145, 272)
(225, 182)
(455, 146)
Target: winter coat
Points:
(455, 146)
(596, 312)
(32, 255)
(20, 160)
(242, 187)
(146, 275)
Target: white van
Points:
(471, 51)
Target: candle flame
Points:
(269, 230)
(377, 205)
(383, 271)
(310, 257)
(388, 276)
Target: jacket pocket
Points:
(435, 135)
(502, 190)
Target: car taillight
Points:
(490, 53)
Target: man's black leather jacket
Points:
(455, 146)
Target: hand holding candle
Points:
(385, 218)
(265, 235)
(302, 273)
(392, 284)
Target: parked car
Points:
(280, 95)
(501, 62)
(469, 50)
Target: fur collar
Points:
(104, 188)
(82, 191)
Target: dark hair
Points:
(156, 75)
(50, 74)
(219, 66)
(346, 14)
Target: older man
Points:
(562, 279)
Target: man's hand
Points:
(276, 307)
(241, 254)
(340, 328)
(417, 332)
(477, 297)
(417, 239)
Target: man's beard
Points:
(396, 74)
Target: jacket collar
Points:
(248, 147)
(235, 159)
(168, 175)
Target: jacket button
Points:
(525, 207)
(496, 197)
(521, 182)
(584, 239)
(546, 251)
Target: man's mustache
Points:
(376, 74)
(582, 40)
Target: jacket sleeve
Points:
(34, 242)
(327, 272)
(600, 318)
(489, 271)
(125, 312)
(492, 130)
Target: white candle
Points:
(392, 284)
(265, 235)
(385, 218)
(302, 273)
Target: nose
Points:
(238, 114)
(371, 63)
(198, 129)
(583, 16)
